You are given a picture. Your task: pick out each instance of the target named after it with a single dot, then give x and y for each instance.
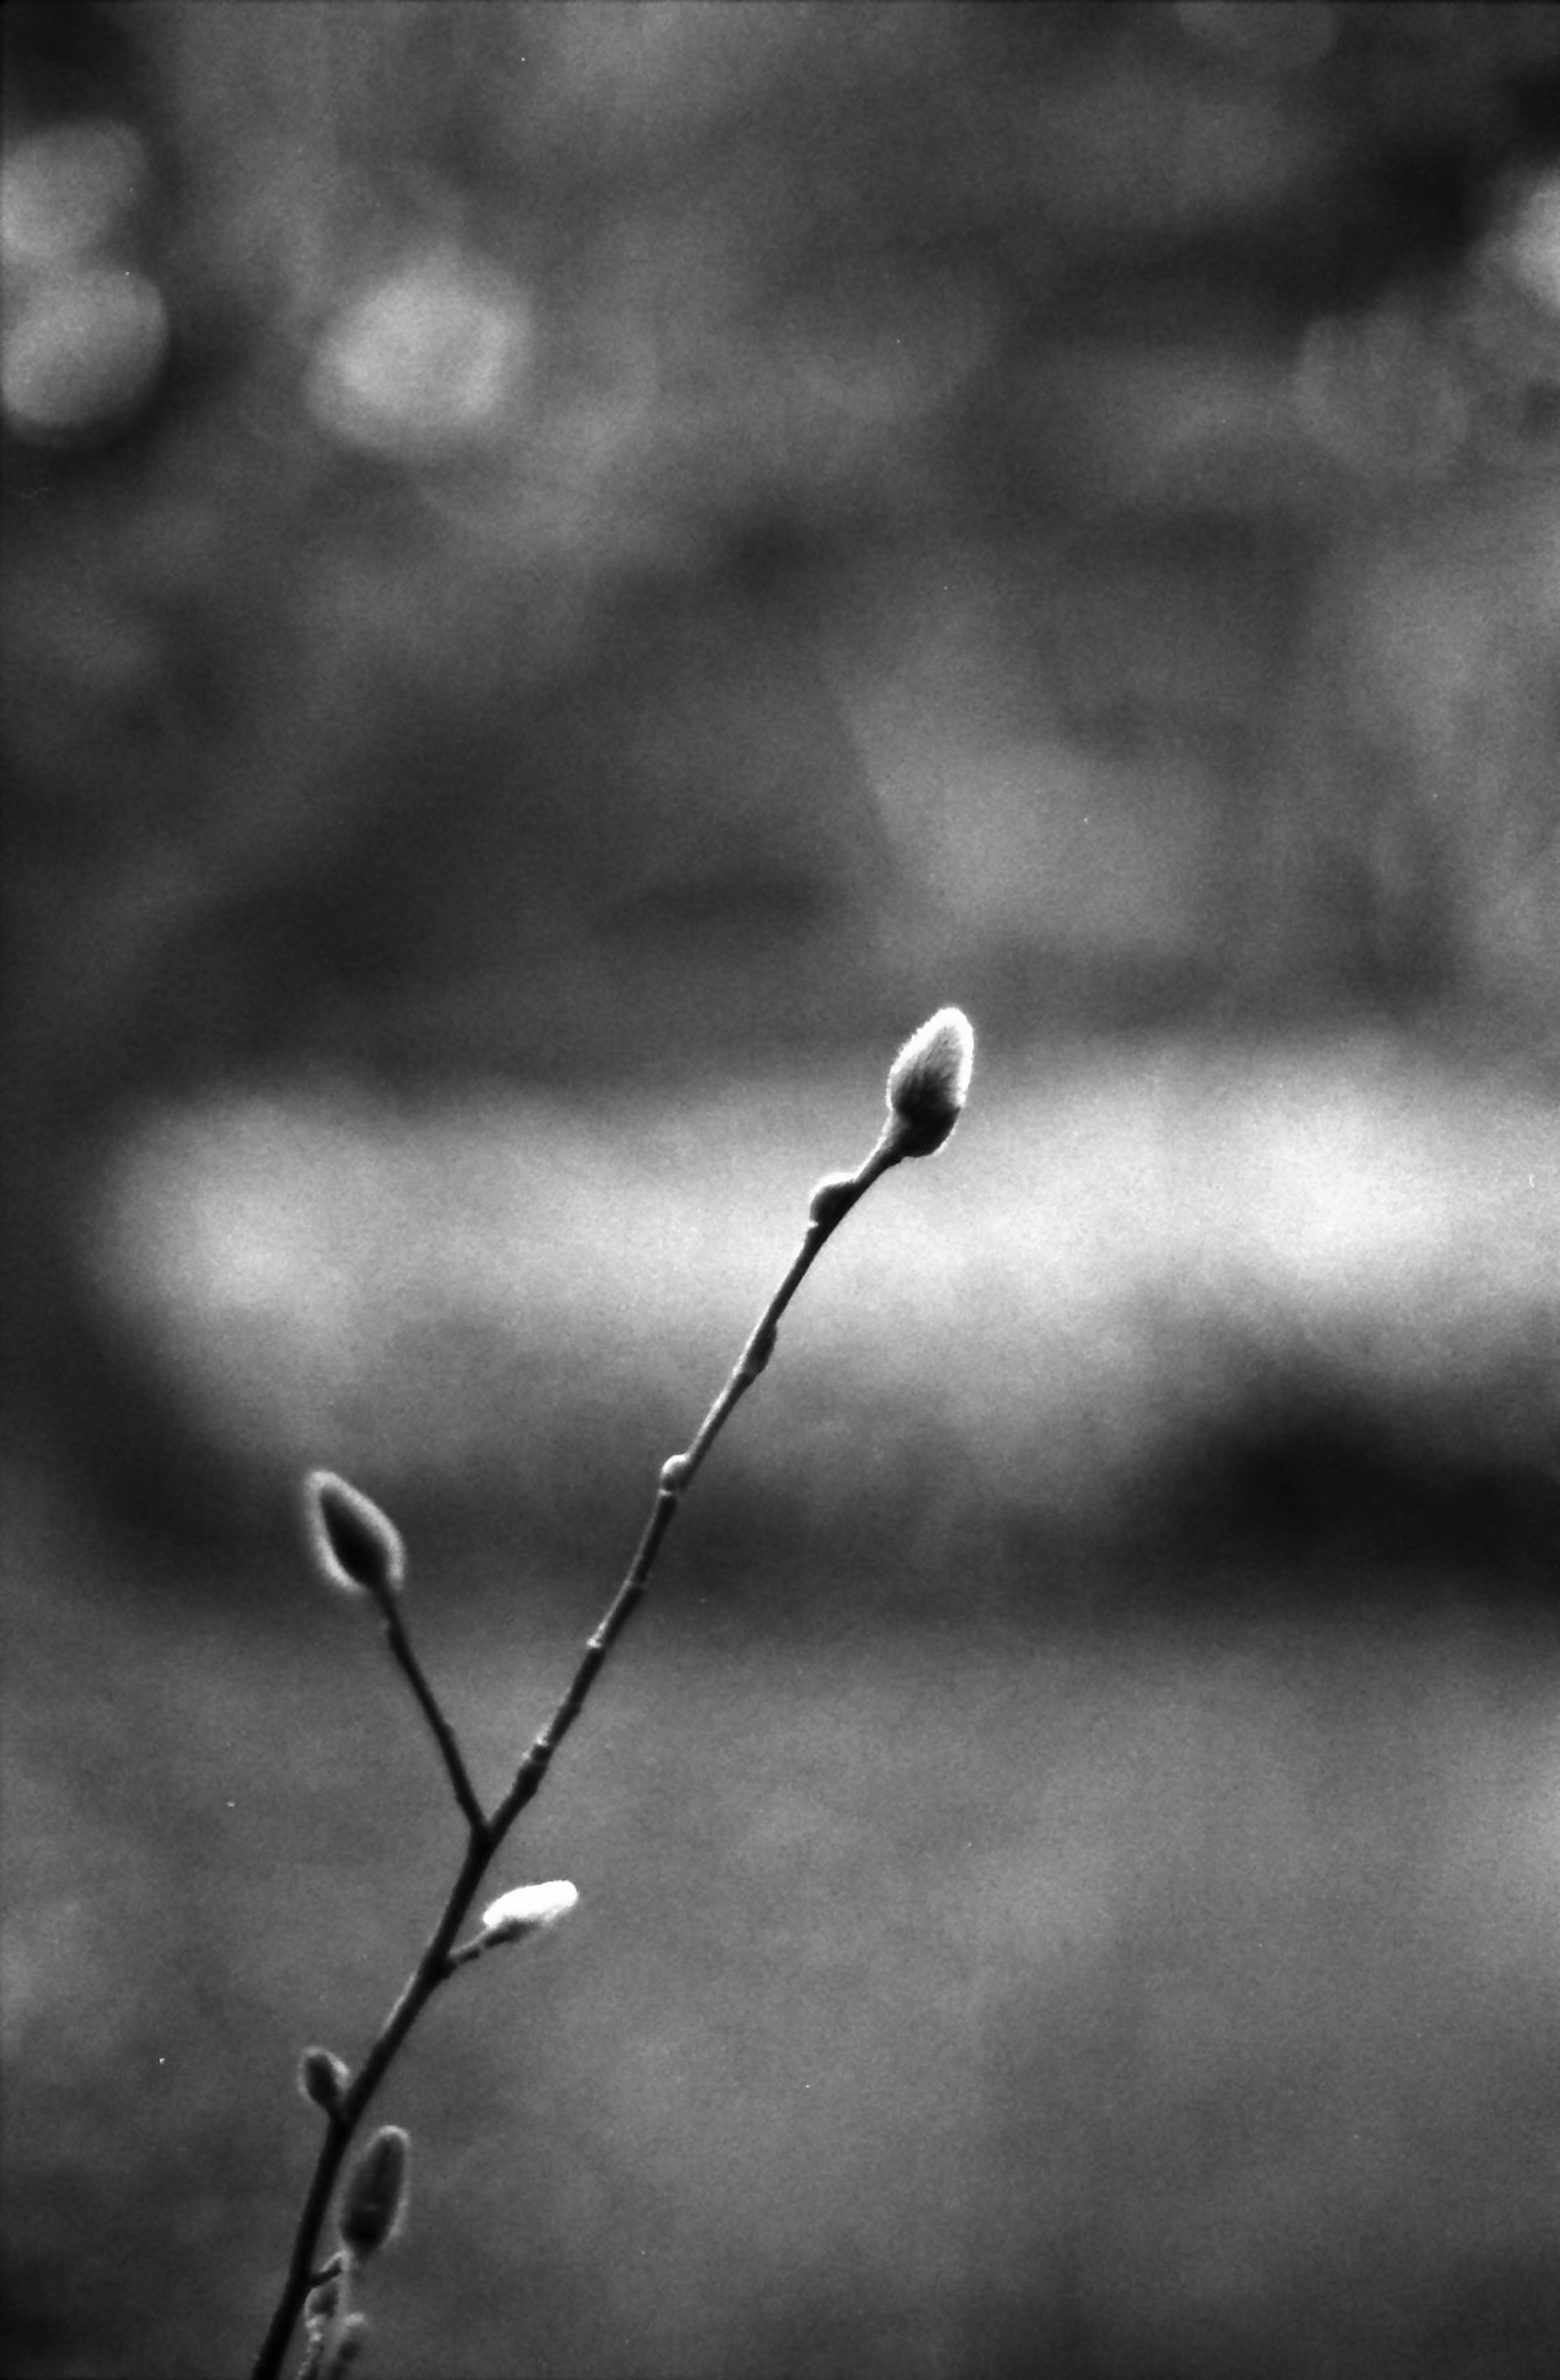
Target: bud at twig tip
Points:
(376, 2195)
(357, 1548)
(928, 1083)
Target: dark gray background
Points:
(611, 561)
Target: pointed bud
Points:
(928, 1083)
(322, 2077)
(529, 1909)
(355, 1548)
(375, 2201)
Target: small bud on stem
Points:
(514, 1917)
(323, 2301)
(529, 1909)
(322, 2077)
(832, 1200)
(348, 2347)
(376, 2195)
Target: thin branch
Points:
(675, 1477)
(436, 1964)
(358, 1549)
(431, 1969)
(432, 1710)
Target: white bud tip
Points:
(929, 1082)
(527, 1909)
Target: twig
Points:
(359, 1550)
(443, 1734)
(676, 1476)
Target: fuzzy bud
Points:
(928, 1083)
(375, 2201)
(322, 2077)
(529, 1909)
(355, 1548)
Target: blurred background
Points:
(570, 574)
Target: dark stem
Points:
(443, 1734)
(533, 1767)
(676, 1476)
(340, 2125)
(485, 1835)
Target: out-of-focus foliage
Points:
(602, 480)
(560, 542)
(569, 572)
(1134, 1282)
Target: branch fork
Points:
(357, 1549)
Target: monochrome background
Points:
(570, 574)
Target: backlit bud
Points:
(376, 2195)
(529, 1909)
(355, 1546)
(929, 1082)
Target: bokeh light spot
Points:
(1535, 242)
(423, 360)
(84, 350)
(67, 191)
